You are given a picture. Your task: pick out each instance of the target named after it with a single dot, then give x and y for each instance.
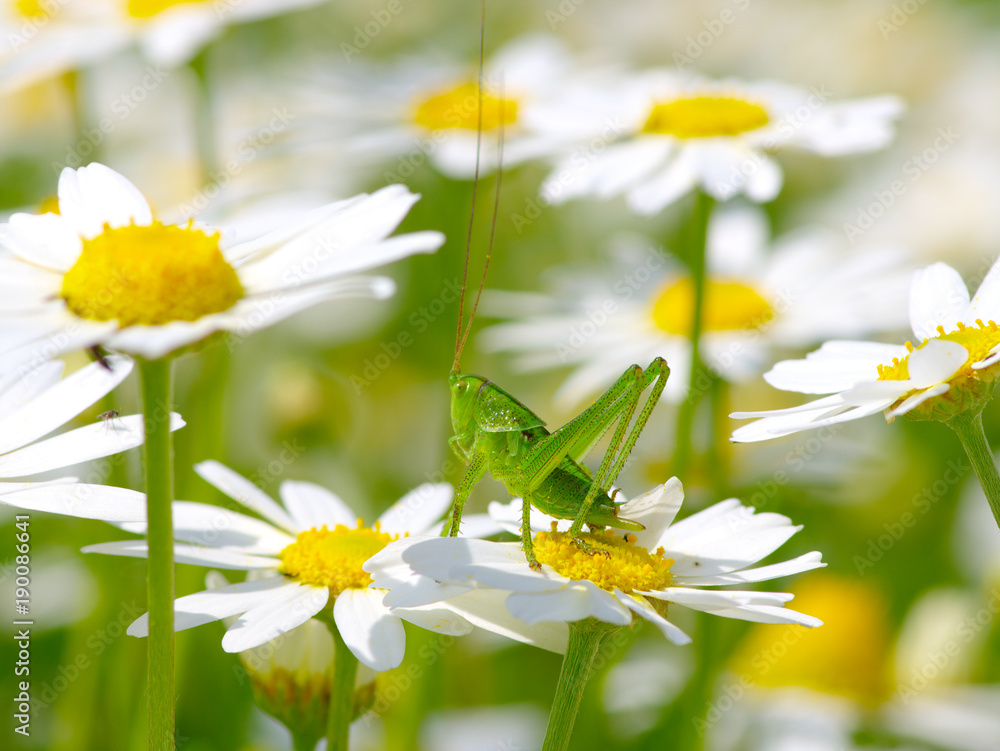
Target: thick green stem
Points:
(695, 254)
(584, 639)
(155, 376)
(303, 742)
(970, 432)
(345, 670)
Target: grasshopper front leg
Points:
(526, 540)
(473, 474)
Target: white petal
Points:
(573, 602)
(241, 489)
(938, 297)
(912, 402)
(699, 599)
(45, 240)
(214, 526)
(373, 634)
(440, 620)
(312, 506)
(95, 195)
(985, 303)
(769, 614)
(59, 404)
(191, 554)
(416, 511)
(936, 361)
(656, 510)
(272, 619)
(675, 180)
(459, 560)
(485, 608)
(80, 445)
(19, 388)
(103, 502)
(216, 604)
(669, 630)
(473, 525)
(805, 562)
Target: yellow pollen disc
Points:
(150, 276)
(728, 306)
(978, 340)
(49, 206)
(616, 562)
(705, 117)
(333, 558)
(459, 108)
(150, 8)
(849, 656)
(38, 9)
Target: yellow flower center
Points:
(978, 340)
(333, 558)
(150, 276)
(705, 117)
(150, 8)
(728, 306)
(36, 9)
(459, 108)
(613, 562)
(849, 656)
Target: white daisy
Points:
(639, 575)
(426, 111)
(679, 133)
(305, 559)
(104, 271)
(35, 402)
(804, 289)
(43, 38)
(947, 372)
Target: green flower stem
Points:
(203, 115)
(345, 670)
(155, 376)
(695, 254)
(303, 742)
(969, 428)
(584, 639)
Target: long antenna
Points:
(493, 225)
(459, 338)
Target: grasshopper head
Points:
(464, 389)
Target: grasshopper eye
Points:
(461, 387)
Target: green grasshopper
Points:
(496, 433)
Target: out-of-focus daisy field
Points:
(843, 160)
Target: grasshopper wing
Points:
(499, 412)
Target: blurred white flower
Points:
(949, 371)
(426, 111)
(104, 271)
(674, 133)
(757, 300)
(45, 38)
